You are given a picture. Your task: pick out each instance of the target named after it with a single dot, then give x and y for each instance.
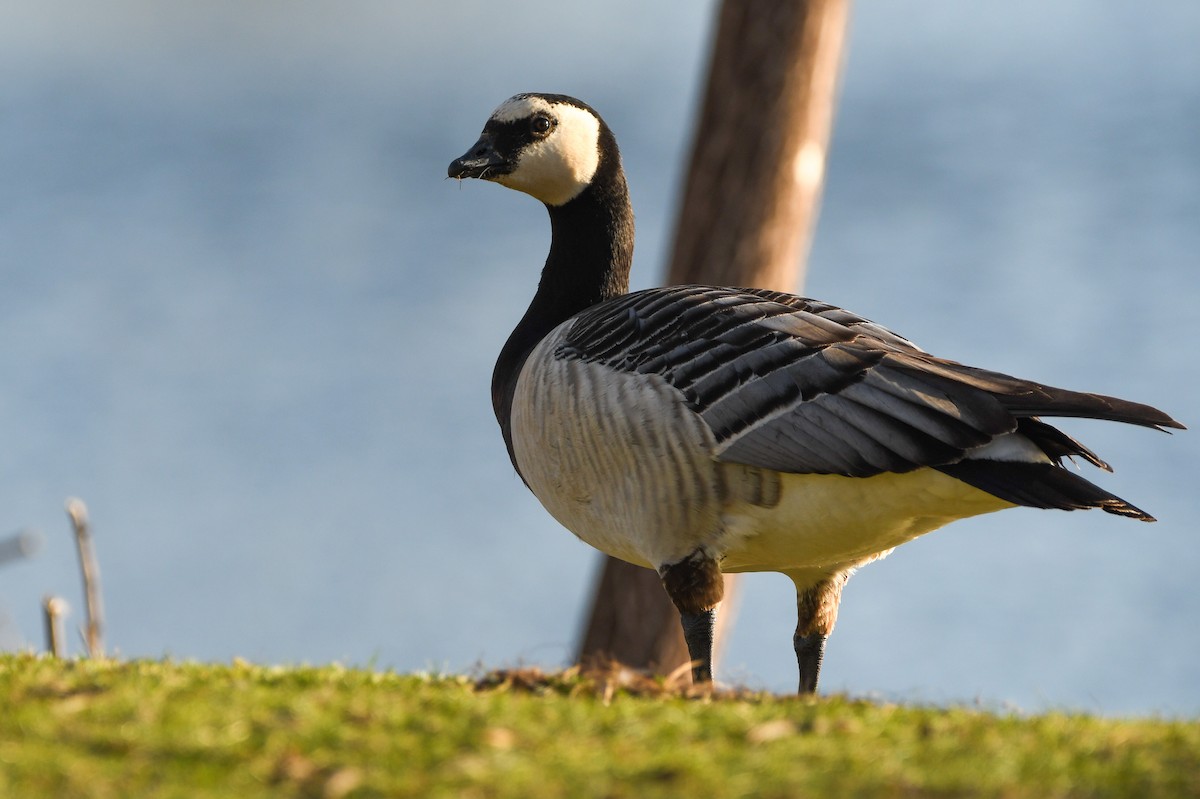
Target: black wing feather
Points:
(1040, 485)
(796, 385)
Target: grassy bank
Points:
(150, 729)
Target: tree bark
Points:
(747, 212)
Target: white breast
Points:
(617, 458)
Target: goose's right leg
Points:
(695, 586)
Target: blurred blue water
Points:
(248, 321)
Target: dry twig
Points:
(77, 511)
(55, 609)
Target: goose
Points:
(697, 430)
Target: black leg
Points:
(817, 600)
(810, 650)
(698, 631)
(695, 586)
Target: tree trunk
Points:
(748, 209)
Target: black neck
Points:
(591, 251)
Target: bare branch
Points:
(78, 514)
(55, 610)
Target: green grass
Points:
(149, 729)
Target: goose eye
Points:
(541, 125)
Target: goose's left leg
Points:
(695, 586)
(816, 613)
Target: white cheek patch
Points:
(556, 169)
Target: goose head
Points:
(548, 146)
